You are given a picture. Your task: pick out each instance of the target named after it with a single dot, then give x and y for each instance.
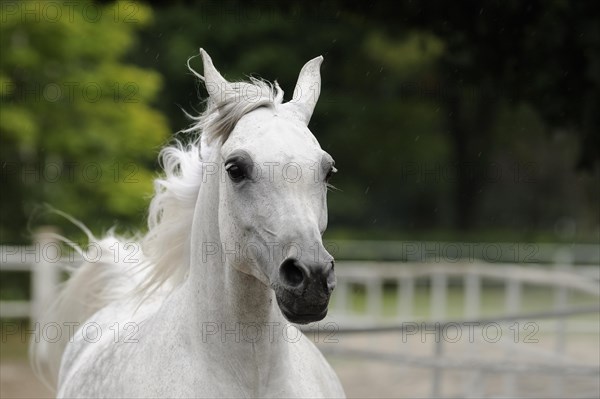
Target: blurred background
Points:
(467, 138)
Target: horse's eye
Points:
(235, 172)
(331, 172)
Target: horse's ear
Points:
(216, 85)
(307, 90)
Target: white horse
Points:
(233, 255)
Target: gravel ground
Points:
(17, 381)
(379, 379)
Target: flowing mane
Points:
(173, 287)
(166, 245)
(165, 258)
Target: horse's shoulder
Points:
(105, 344)
(315, 369)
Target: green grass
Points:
(533, 299)
(451, 235)
(14, 340)
(15, 345)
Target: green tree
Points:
(77, 127)
(422, 103)
(540, 54)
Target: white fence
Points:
(41, 260)
(515, 362)
(374, 275)
(390, 292)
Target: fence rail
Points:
(562, 277)
(438, 266)
(449, 252)
(44, 269)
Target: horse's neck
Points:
(223, 301)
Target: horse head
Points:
(273, 183)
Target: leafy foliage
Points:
(77, 128)
(445, 120)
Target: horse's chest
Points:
(155, 367)
(219, 374)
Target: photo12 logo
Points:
(53, 332)
(67, 11)
(64, 252)
(71, 172)
(267, 332)
(71, 92)
(453, 332)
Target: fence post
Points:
(439, 284)
(563, 260)
(439, 287)
(472, 307)
(472, 294)
(438, 371)
(375, 297)
(512, 304)
(45, 273)
(405, 298)
(341, 297)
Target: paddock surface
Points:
(556, 352)
(405, 379)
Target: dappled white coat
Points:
(181, 340)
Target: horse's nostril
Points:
(290, 273)
(331, 281)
